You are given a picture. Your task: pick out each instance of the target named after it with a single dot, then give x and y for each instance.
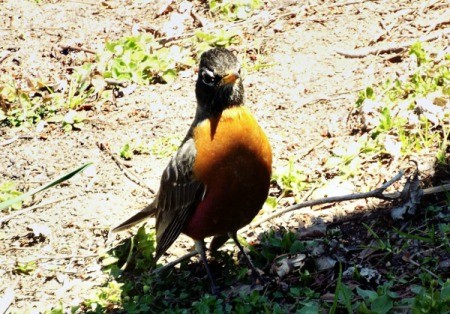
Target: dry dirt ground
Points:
(303, 101)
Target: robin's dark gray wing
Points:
(178, 196)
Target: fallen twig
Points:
(389, 47)
(442, 20)
(114, 82)
(410, 260)
(437, 189)
(76, 48)
(341, 4)
(3, 55)
(10, 141)
(34, 207)
(69, 256)
(377, 193)
(201, 21)
(131, 176)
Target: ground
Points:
(304, 100)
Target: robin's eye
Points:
(208, 77)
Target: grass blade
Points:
(63, 178)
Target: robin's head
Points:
(219, 84)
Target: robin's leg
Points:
(200, 248)
(255, 272)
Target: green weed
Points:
(165, 147)
(221, 38)
(291, 181)
(232, 10)
(142, 60)
(133, 148)
(8, 191)
(412, 117)
(26, 268)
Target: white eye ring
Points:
(208, 77)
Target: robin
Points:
(219, 178)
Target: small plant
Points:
(142, 60)
(8, 191)
(275, 243)
(165, 147)
(348, 157)
(126, 152)
(106, 297)
(432, 299)
(380, 301)
(26, 267)
(220, 38)
(383, 245)
(234, 9)
(291, 180)
(133, 148)
(412, 111)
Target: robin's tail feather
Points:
(147, 212)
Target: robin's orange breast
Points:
(234, 161)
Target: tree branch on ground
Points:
(389, 47)
(131, 176)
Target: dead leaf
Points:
(325, 262)
(369, 274)
(285, 266)
(411, 196)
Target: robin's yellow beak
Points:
(230, 78)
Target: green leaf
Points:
(8, 191)
(381, 305)
(367, 294)
(169, 75)
(345, 296)
(445, 293)
(271, 202)
(310, 308)
(126, 152)
(26, 267)
(417, 50)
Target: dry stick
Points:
(74, 256)
(390, 47)
(437, 189)
(378, 193)
(442, 20)
(201, 21)
(114, 82)
(335, 5)
(76, 48)
(410, 260)
(131, 176)
(4, 55)
(11, 140)
(22, 211)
